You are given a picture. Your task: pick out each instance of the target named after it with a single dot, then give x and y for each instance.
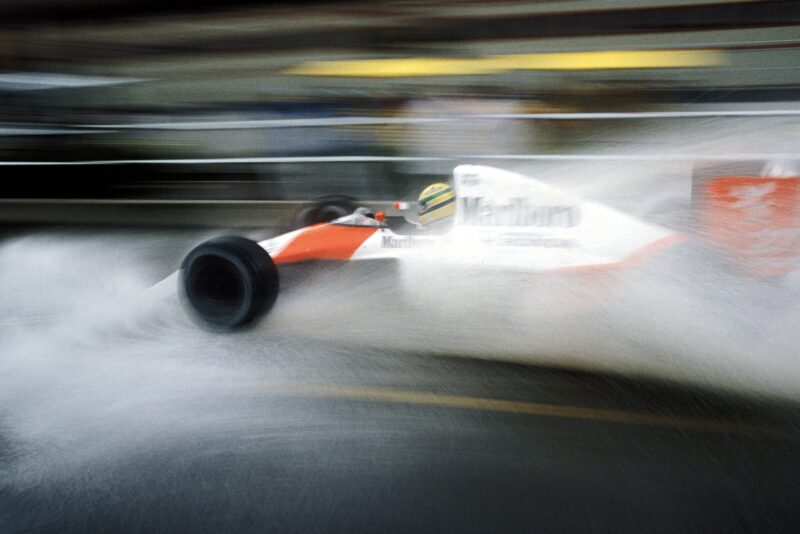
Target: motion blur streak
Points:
(611, 59)
(530, 408)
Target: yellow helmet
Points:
(436, 202)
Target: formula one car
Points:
(503, 222)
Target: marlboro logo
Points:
(478, 211)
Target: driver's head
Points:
(437, 202)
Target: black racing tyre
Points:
(228, 282)
(325, 209)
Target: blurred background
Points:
(245, 100)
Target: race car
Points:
(503, 222)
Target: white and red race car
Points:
(504, 222)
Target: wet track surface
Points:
(119, 414)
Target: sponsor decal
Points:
(390, 241)
(526, 240)
(517, 211)
(470, 180)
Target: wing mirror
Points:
(409, 214)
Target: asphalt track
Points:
(113, 421)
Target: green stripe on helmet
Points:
(436, 194)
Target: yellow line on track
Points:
(371, 394)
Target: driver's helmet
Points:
(437, 202)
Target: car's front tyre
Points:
(228, 282)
